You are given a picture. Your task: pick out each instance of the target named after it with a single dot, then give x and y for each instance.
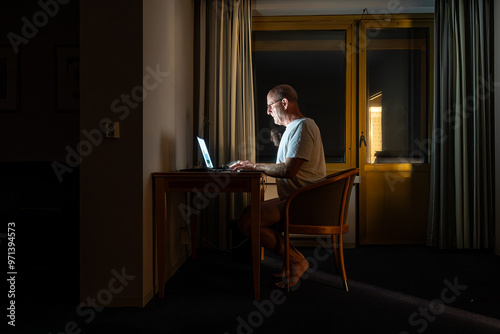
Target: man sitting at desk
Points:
(300, 161)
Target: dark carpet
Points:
(393, 289)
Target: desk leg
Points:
(161, 217)
(255, 214)
(193, 222)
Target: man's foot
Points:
(297, 269)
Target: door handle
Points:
(362, 139)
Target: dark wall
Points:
(37, 130)
(32, 136)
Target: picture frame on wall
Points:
(67, 79)
(8, 80)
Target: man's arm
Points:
(286, 170)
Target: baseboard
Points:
(172, 270)
(126, 302)
(147, 298)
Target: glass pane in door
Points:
(397, 71)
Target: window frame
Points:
(346, 23)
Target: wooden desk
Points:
(165, 183)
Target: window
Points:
(314, 63)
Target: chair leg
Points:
(287, 260)
(342, 267)
(335, 254)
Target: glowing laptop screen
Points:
(204, 152)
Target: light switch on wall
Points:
(112, 130)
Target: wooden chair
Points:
(320, 208)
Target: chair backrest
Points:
(324, 203)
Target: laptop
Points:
(209, 166)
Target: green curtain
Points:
(461, 211)
(224, 97)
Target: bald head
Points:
(285, 92)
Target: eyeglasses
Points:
(269, 105)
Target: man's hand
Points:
(242, 165)
(286, 170)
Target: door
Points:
(395, 63)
